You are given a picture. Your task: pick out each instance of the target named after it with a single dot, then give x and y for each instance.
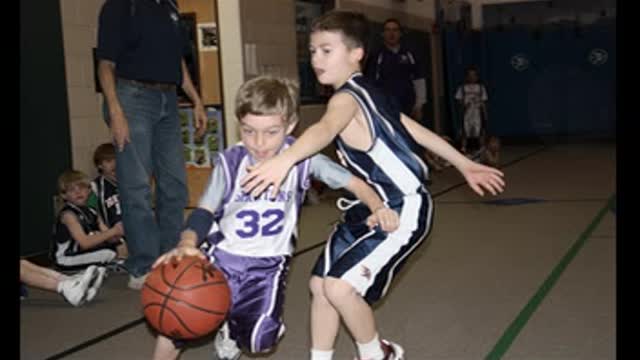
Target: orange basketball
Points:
(186, 299)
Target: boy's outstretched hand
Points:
(388, 219)
(481, 176)
(268, 172)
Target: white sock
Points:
(371, 350)
(321, 354)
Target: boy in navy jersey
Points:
(80, 237)
(251, 239)
(105, 196)
(105, 185)
(380, 145)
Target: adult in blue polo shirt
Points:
(140, 52)
(396, 71)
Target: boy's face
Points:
(264, 135)
(332, 61)
(77, 194)
(108, 168)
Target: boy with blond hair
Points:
(80, 237)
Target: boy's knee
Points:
(316, 286)
(337, 290)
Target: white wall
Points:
(231, 63)
(88, 129)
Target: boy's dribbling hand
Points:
(388, 219)
(176, 254)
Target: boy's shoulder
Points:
(83, 213)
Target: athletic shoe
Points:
(137, 282)
(225, 347)
(94, 286)
(74, 289)
(392, 350)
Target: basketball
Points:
(187, 299)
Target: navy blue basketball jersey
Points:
(108, 200)
(63, 243)
(391, 165)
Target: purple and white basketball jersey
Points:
(258, 226)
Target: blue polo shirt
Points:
(394, 73)
(143, 38)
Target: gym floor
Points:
(528, 274)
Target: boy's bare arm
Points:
(478, 176)
(434, 143)
(341, 109)
(101, 225)
(188, 246)
(118, 228)
(87, 241)
(209, 202)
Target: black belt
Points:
(149, 84)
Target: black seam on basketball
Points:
(168, 294)
(181, 288)
(181, 323)
(192, 287)
(224, 279)
(169, 297)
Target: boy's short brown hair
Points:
(353, 26)
(71, 177)
(268, 95)
(104, 152)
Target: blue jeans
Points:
(155, 150)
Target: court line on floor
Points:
(509, 335)
(95, 340)
(141, 320)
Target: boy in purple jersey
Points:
(251, 239)
(380, 144)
